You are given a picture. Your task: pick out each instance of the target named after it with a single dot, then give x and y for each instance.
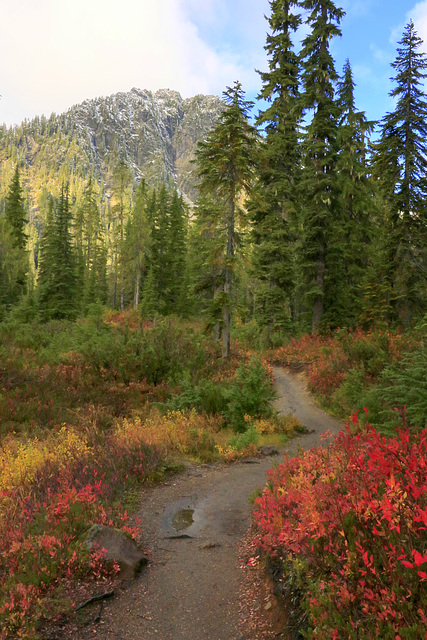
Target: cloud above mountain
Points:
(60, 53)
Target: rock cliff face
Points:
(154, 133)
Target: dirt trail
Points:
(191, 589)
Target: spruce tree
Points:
(318, 186)
(401, 166)
(13, 266)
(352, 233)
(119, 210)
(14, 259)
(274, 199)
(137, 244)
(57, 294)
(177, 253)
(91, 250)
(15, 210)
(226, 162)
(158, 213)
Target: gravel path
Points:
(191, 589)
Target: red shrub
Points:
(351, 520)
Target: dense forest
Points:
(303, 222)
(157, 256)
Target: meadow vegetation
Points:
(351, 369)
(90, 412)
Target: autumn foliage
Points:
(347, 525)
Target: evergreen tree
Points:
(158, 212)
(401, 165)
(206, 243)
(350, 241)
(149, 299)
(273, 203)
(57, 294)
(226, 169)
(13, 266)
(119, 209)
(91, 250)
(15, 222)
(15, 210)
(138, 244)
(318, 180)
(177, 253)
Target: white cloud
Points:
(58, 53)
(419, 16)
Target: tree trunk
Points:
(217, 330)
(137, 287)
(228, 282)
(318, 301)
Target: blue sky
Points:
(59, 53)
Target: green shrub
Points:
(404, 387)
(241, 441)
(349, 394)
(250, 394)
(206, 397)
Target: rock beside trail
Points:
(119, 548)
(268, 450)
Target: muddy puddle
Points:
(183, 519)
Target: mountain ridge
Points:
(154, 133)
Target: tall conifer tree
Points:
(318, 180)
(57, 294)
(401, 165)
(15, 210)
(138, 244)
(226, 169)
(91, 250)
(177, 253)
(274, 198)
(14, 258)
(119, 210)
(352, 232)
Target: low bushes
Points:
(248, 393)
(51, 491)
(80, 432)
(347, 527)
(352, 369)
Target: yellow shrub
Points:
(20, 464)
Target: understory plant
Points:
(347, 527)
(249, 392)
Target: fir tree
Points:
(177, 252)
(119, 209)
(350, 241)
(91, 250)
(226, 168)
(138, 244)
(158, 212)
(318, 183)
(401, 165)
(273, 203)
(13, 266)
(15, 210)
(149, 299)
(57, 294)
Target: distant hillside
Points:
(154, 133)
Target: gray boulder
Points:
(120, 548)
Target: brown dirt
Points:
(203, 582)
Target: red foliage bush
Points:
(350, 521)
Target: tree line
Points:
(302, 221)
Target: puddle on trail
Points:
(183, 519)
